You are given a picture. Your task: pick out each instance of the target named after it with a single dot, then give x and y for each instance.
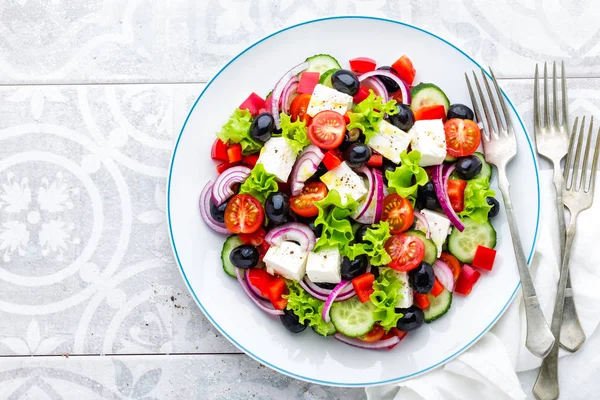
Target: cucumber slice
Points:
(330, 330)
(231, 243)
(486, 168)
(439, 305)
(321, 63)
(352, 318)
(426, 95)
(430, 247)
(464, 244)
(325, 78)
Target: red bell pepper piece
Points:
(234, 153)
(431, 112)
(376, 160)
(347, 117)
(276, 290)
(422, 301)
(250, 159)
(255, 238)
(224, 166)
(484, 258)
(308, 81)
(466, 280)
(456, 194)
(404, 69)
(360, 65)
(362, 94)
(394, 332)
(438, 288)
(363, 286)
(332, 159)
(260, 279)
(254, 103)
(219, 150)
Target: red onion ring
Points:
(332, 296)
(444, 274)
(378, 345)
(292, 231)
(253, 288)
(424, 223)
(223, 188)
(381, 72)
(313, 293)
(441, 190)
(259, 303)
(326, 292)
(278, 90)
(204, 205)
(366, 202)
(290, 88)
(377, 87)
(378, 175)
(311, 154)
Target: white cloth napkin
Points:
(489, 369)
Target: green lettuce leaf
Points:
(259, 184)
(385, 297)
(333, 217)
(237, 130)
(476, 193)
(373, 245)
(406, 179)
(294, 133)
(367, 114)
(307, 308)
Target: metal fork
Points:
(552, 140)
(578, 196)
(500, 147)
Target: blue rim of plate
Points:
(304, 378)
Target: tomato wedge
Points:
(406, 252)
(374, 334)
(462, 137)
(304, 203)
(456, 194)
(327, 129)
(299, 106)
(255, 238)
(404, 69)
(243, 214)
(360, 65)
(398, 212)
(453, 263)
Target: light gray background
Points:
(92, 96)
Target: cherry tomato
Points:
(327, 129)
(304, 203)
(406, 252)
(404, 69)
(374, 334)
(456, 194)
(243, 214)
(453, 263)
(462, 137)
(436, 111)
(360, 65)
(255, 238)
(398, 212)
(299, 106)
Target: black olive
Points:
(353, 268)
(326, 285)
(495, 206)
(277, 207)
(421, 279)
(345, 81)
(244, 256)
(404, 119)
(360, 233)
(387, 166)
(317, 230)
(426, 197)
(389, 83)
(468, 167)
(460, 111)
(218, 212)
(375, 271)
(290, 320)
(262, 127)
(346, 142)
(412, 319)
(321, 170)
(357, 155)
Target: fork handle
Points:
(546, 384)
(571, 333)
(539, 338)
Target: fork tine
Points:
(496, 113)
(485, 107)
(536, 98)
(577, 171)
(546, 102)
(478, 114)
(570, 153)
(565, 101)
(503, 105)
(555, 96)
(595, 162)
(586, 156)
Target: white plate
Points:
(197, 249)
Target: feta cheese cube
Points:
(324, 266)
(390, 141)
(278, 158)
(346, 182)
(429, 139)
(325, 98)
(439, 226)
(287, 260)
(406, 299)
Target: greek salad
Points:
(354, 200)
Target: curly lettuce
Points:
(476, 193)
(385, 297)
(259, 184)
(308, 309)
(333, 217)
(237, 130)
(295, 133)
(406, 179)
(373, 245)
(367, 114)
